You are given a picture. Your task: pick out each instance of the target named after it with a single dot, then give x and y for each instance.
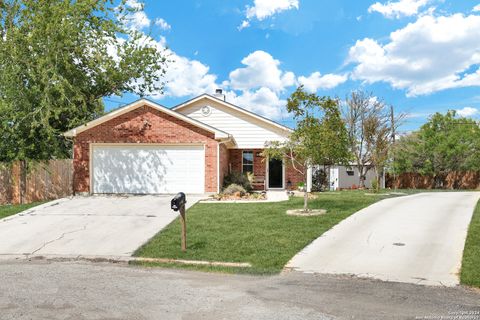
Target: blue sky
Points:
(421, 56)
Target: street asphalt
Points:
(83, 291)
(414, 239)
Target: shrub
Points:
(375, 185)
(234, 189)
(239, 179)
(319, 180)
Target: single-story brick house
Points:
(146, 148)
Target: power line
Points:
(115, 101)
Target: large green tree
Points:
(58, 59)
(319, 138)
(445, 143)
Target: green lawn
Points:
(259, 233)
(8, 210)
(470, 274)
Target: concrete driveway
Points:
(415, 239)
(87, 226)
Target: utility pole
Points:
(392, 120)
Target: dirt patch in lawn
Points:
(308, 213)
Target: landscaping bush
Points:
(375, 185)
(234, 189)
(301, 186)
(319, 180)
(238, 178)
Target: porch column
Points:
(309, 179)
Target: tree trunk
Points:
(378, 177)
(361, 182)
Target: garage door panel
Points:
(148, 169)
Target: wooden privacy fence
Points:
(26, 183)
(452, 180)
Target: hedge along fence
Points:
(26, 182)
(452, 180)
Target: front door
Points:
(275, 173)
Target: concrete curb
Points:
(120, 259)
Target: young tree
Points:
(370, 126)
(58, 59)
(378, 140)
(320, 135)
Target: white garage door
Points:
(147, 169)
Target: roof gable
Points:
(234, 107)
(219, 134)
(249, 132)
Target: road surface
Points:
(84, 291)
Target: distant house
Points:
(146, 148)
(346, 177)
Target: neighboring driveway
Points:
(87, 226)
(416, 239)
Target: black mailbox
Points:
(178, 201)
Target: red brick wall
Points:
(143, 125)
(259, 166)
(293, 175)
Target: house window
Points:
(350, 173)
(247, 161)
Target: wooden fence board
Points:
(42, 181)
(5, 184)
(453, 180)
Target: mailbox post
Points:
(178, 204)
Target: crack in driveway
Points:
(59, 238)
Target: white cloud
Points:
(259, 86)
(261, 70)
(263, 101)
(245, 24)
(468, 112)
(162, 24)
(136, 20)
(134, 4)
(185, 77)
(398, 9)
(476, 8)
(317, 81)
(263, 9)
(429, 55)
